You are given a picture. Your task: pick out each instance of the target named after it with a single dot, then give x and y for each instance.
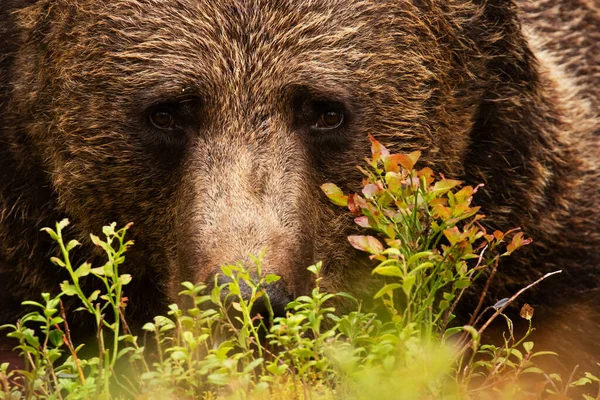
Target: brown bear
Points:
(211, 125)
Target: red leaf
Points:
(517, 242)
(353, 206)
(370, 190)
(366, 243)
(362, 221)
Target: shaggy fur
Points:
(487, 93)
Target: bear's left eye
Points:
(330, 120)
(162, 119)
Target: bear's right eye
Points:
(330, 120)
(162, 119)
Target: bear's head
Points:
(212, 124)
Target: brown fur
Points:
(481, 96)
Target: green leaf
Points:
(533, 370)
(56, 338)
(335, 194)
(473, 332)
(125, 279)
(62, 224)
(250, 367)
(108, 269)
(425, 265)
(387, 289)
(32, 303)
(58, 261)
(178, 355)
(219, 379)
(50, 232)
(390, 270)
(124, 351)
(592, 377)
(544, 353)
(72, 244)
(270, 278)
(417, 256)
(94, 296)
(29, 336)
(441, 187)
(394, 182)
(109, 230)
(98, 271)
(579, 382)
(98, 242)
(408, 284)
(149, 326)
(462, 283)
(68, 289)
(83, 270)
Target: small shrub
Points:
(430, 247)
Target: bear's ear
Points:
(41, 17)
(497, 31)
(488, 32)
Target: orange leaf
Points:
(404, 160)
(379, 151)
(453, 235)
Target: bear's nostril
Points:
(278, 298)
(277, 293)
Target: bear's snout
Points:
(277, 297)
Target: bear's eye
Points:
(330, 120)
(162, 119)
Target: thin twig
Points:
(100, 339)
(501, 309)
(484, 292)
(566, 388)
(69, 343)
(455, 303)
(127, 330)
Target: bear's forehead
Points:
(228, 31)
(222, 42)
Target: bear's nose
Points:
(278, 298)
(277, 295)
